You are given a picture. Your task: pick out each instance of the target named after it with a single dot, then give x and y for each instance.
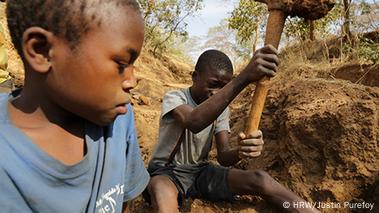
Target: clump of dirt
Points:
(310, 10)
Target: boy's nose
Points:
(213, 92)
(129, 81)
(129, 84)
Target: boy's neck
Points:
(31, 109)
(193, 96)
(55, 131)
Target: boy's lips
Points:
(121, 108)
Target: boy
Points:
(67, 139)
(190, 118)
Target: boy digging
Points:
(67, 139)
(190, 118)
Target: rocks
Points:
(140, 100)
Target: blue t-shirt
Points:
(111, 173)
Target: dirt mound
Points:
(323, 136)
(321, 133)
(356, 73)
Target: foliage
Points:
(368, 50)
(165, 19)
(249, 19)
(298, 28)
(222, 38)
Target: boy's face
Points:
(94, 80)
(208, 83)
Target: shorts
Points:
(204, 181)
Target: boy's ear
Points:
(36, 43)
(194, 75)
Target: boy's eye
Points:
(213, 85)
(121, 66)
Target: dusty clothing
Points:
(194, 148)
(111, 172)
(205, 181)
(189, 170)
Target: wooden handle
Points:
(274, 30)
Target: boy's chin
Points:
(103, 121)
(105, 118)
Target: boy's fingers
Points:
(252, 142)
(251, 148)
(271, 58)
(256, 134)
(268, 72)
(269, 49)
(270, 66)
(241, 135)
(250, 154)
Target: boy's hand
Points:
(264, 63)
(251, 145)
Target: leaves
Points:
(249, 19)
(165, 19)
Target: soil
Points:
(320, 125)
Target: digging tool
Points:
(278, 12)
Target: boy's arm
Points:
(264, 63)
(198, 118)
(226, 156)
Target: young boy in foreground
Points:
(190, 119)
(67, 139)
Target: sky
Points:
(211, 15)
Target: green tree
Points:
(224, 39)
(346, 14)
(249, 19)
(299, 28)
(165, 19)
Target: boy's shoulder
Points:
(181, 92)
(3, 96)
(177, 91)
(3, 101)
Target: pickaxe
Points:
(278, 12)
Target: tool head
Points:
(307, 9)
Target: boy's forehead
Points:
(211, 71)
(216, 74)
(103, 11)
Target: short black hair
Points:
(215, 60)
(69, 19)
